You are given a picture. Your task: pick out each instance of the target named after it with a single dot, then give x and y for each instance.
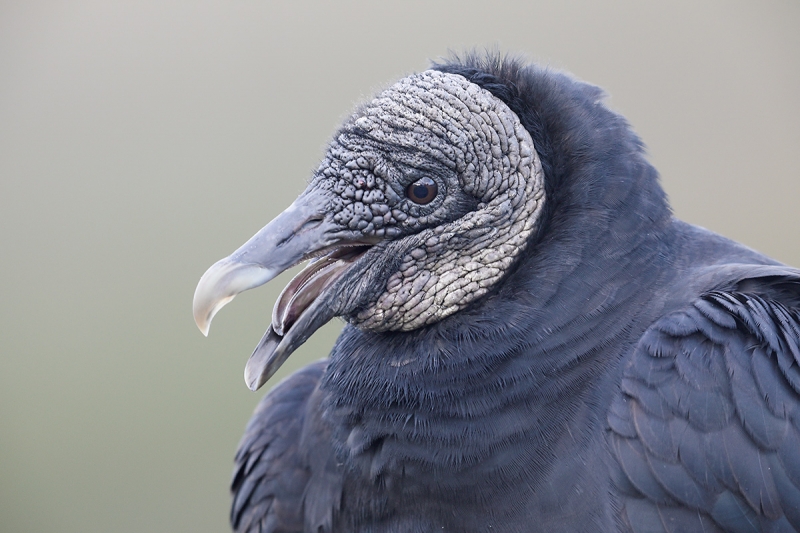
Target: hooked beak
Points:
(300, 232)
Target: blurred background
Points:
(140, 141)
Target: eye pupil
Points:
(422, 191)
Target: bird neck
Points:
(507, 367)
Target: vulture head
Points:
(425, 199)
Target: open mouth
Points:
(310, 282)
(312, 298)
(300, 310)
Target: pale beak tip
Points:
(203, 323)
(225, 279)
(204, 311)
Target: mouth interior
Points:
(312, 281)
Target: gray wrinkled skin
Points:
(483, 160)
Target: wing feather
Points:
(705, 428)
(276, 461)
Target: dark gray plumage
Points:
(535, 343)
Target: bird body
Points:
(624, 371)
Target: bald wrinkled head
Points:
(425, 198)
(442, 127)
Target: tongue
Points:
(306, 286)
(303, 290)
(298, 313)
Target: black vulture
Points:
(533, 341)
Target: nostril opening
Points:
(311, 223)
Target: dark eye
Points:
(422, 191)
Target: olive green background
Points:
(140, 141)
